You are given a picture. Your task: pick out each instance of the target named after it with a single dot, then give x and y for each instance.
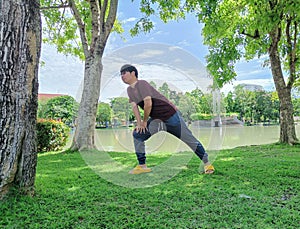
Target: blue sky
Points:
(64, 74)
(187, 35)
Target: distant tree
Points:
(255, 106)
(121, 108)
(262, 106)
(175, 97)
(240, 101)
(186, 107)
(195, 96)
(153, 84)
(229, 102)
(104, 113)
(275, 106)
(41, 109)
(63, 108)
(206, 103)
(165, 90)
(296, 105)
(20, 33)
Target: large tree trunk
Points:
(103, 18)
(287, 126)
(86, 121)
(20, 44)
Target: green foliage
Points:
(62, 108)
(51, 135)
(153, 84)
(121, 108)
(236, 29)
(253, 106)
(201, 116)
(104, 113)
(203, 103)
(186, 108)
(41, 109)
(165, 90)
(296, 105)
(166, 10)
(253, 187)
(229, 102)
(61, 28)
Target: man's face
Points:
(127, 77)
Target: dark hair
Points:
(129, 68)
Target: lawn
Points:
(253, 187)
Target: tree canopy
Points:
(236, 30)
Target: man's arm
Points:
(147, 108)
(142, 124)
(139, 125)
(136, 113)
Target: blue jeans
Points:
(176, 126)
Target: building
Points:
(252, 87)
(44, 97)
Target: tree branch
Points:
(111, 17)
(291, 42)
(255, 36)
(62, 6)
(102, 16)
(81, 26)
(94, 6)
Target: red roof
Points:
(42, 96)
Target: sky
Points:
(173, 53)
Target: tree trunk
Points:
(20, 44)
(103, 18)
(86, 121)
(287, 127)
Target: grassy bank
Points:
(253, 187)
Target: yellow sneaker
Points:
(209, 169)
(140, 169)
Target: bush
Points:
(201, 116)
(51, 135)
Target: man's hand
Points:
(142, 127)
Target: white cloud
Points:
(183, 43)
(131, 19)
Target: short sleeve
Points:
(145, 89)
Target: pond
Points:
(179, 155)
(214, 138)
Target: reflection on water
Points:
(214, 138)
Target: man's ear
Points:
(133, 73)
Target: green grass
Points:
(253, 187)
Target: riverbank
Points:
(253, 187)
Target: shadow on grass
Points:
(117, 173)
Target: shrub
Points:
(201, 116)
(51, 135)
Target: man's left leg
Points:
(177, 127)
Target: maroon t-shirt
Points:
(162, 108)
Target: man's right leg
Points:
(139, 145)
(153, 126)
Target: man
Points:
(159, 114)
